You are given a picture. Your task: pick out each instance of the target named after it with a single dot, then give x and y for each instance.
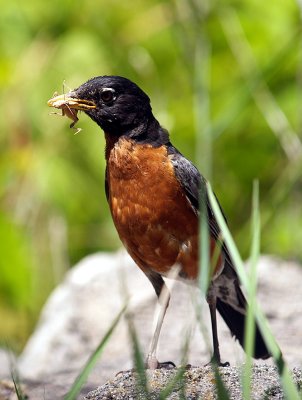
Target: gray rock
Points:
(280, 296)
(79, 312)
(5, 367)
(198, 383)
(81, 309)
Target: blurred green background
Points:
(224, 77)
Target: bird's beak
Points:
(64, 101)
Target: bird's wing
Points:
(194, 185)
(106, 184)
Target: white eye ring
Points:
(107, 95)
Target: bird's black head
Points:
(117, 105)
(120, 105)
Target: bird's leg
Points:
(163, 295)
(211, 299)
(163, 302)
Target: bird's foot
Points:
(217, 362)
(127, 371)
(153, 363)
(166, 365)
(225, 364)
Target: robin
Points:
(155, 197)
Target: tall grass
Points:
(250, 319)
(16, 378)
(254, 313)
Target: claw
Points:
(165, 365)
(153, 363)
(153, 366)
(218, 363)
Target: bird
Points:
(157, 198)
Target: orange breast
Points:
(152, 215)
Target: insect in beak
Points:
(70, 106)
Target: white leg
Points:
(152, 362)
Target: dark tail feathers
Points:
(235, 320)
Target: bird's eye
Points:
(108, 95)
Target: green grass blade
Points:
(284, 372)
(19, 393)
(18, 389)
(15, 375)
(139, 363)
(177, 382)
(204, 267)
(222, 393)
(249, 339)
(228, 238)
(82, 377)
